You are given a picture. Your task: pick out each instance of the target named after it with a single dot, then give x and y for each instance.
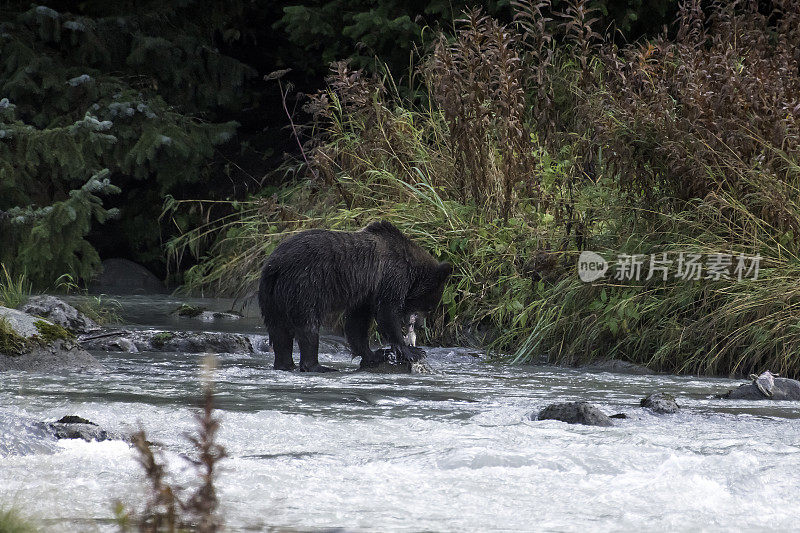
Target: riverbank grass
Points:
(515, 154)
(14, 290)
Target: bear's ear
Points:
(443, 271)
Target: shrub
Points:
(170, 508)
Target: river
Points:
(451, 451)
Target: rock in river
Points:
(618, 367)
(168, 341)
(75, 427)
(121, 276)
(661, 403)
(395, 362)
(59, 312)
(24, 436)
(201, 313)
(783, 389)
(401, 367)
(575, 413)
(31, 343)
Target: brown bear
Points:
(376, 272)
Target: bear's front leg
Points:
(390, 327)
(356, 331)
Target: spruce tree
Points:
(106, 98)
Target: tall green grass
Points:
(727, 327)
(14, 290)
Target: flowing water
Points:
(452, 451)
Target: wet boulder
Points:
(31, 343)
(117, 340)
(201, 313)
(401, 367)
(121, 276)
(196, 342)
(575, 413)
(783, 389)
(661, 403)
(213, 316)
(25, 436)
(168, 341)
(188, 311)
(19, 323)
(75, 427)
(123, 344)
(617, 367)
(59, 355)
(59, 312)
(394, 362)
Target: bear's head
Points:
(427, 289)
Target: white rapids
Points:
(450, 451)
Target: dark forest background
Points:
(109, 107)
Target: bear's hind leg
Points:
(308, 340)
(282, 339)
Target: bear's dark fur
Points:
(376, 272)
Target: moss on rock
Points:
(159, 339)
(51, 332)
(191, 311)
(11, 342)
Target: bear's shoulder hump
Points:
(385, 229)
